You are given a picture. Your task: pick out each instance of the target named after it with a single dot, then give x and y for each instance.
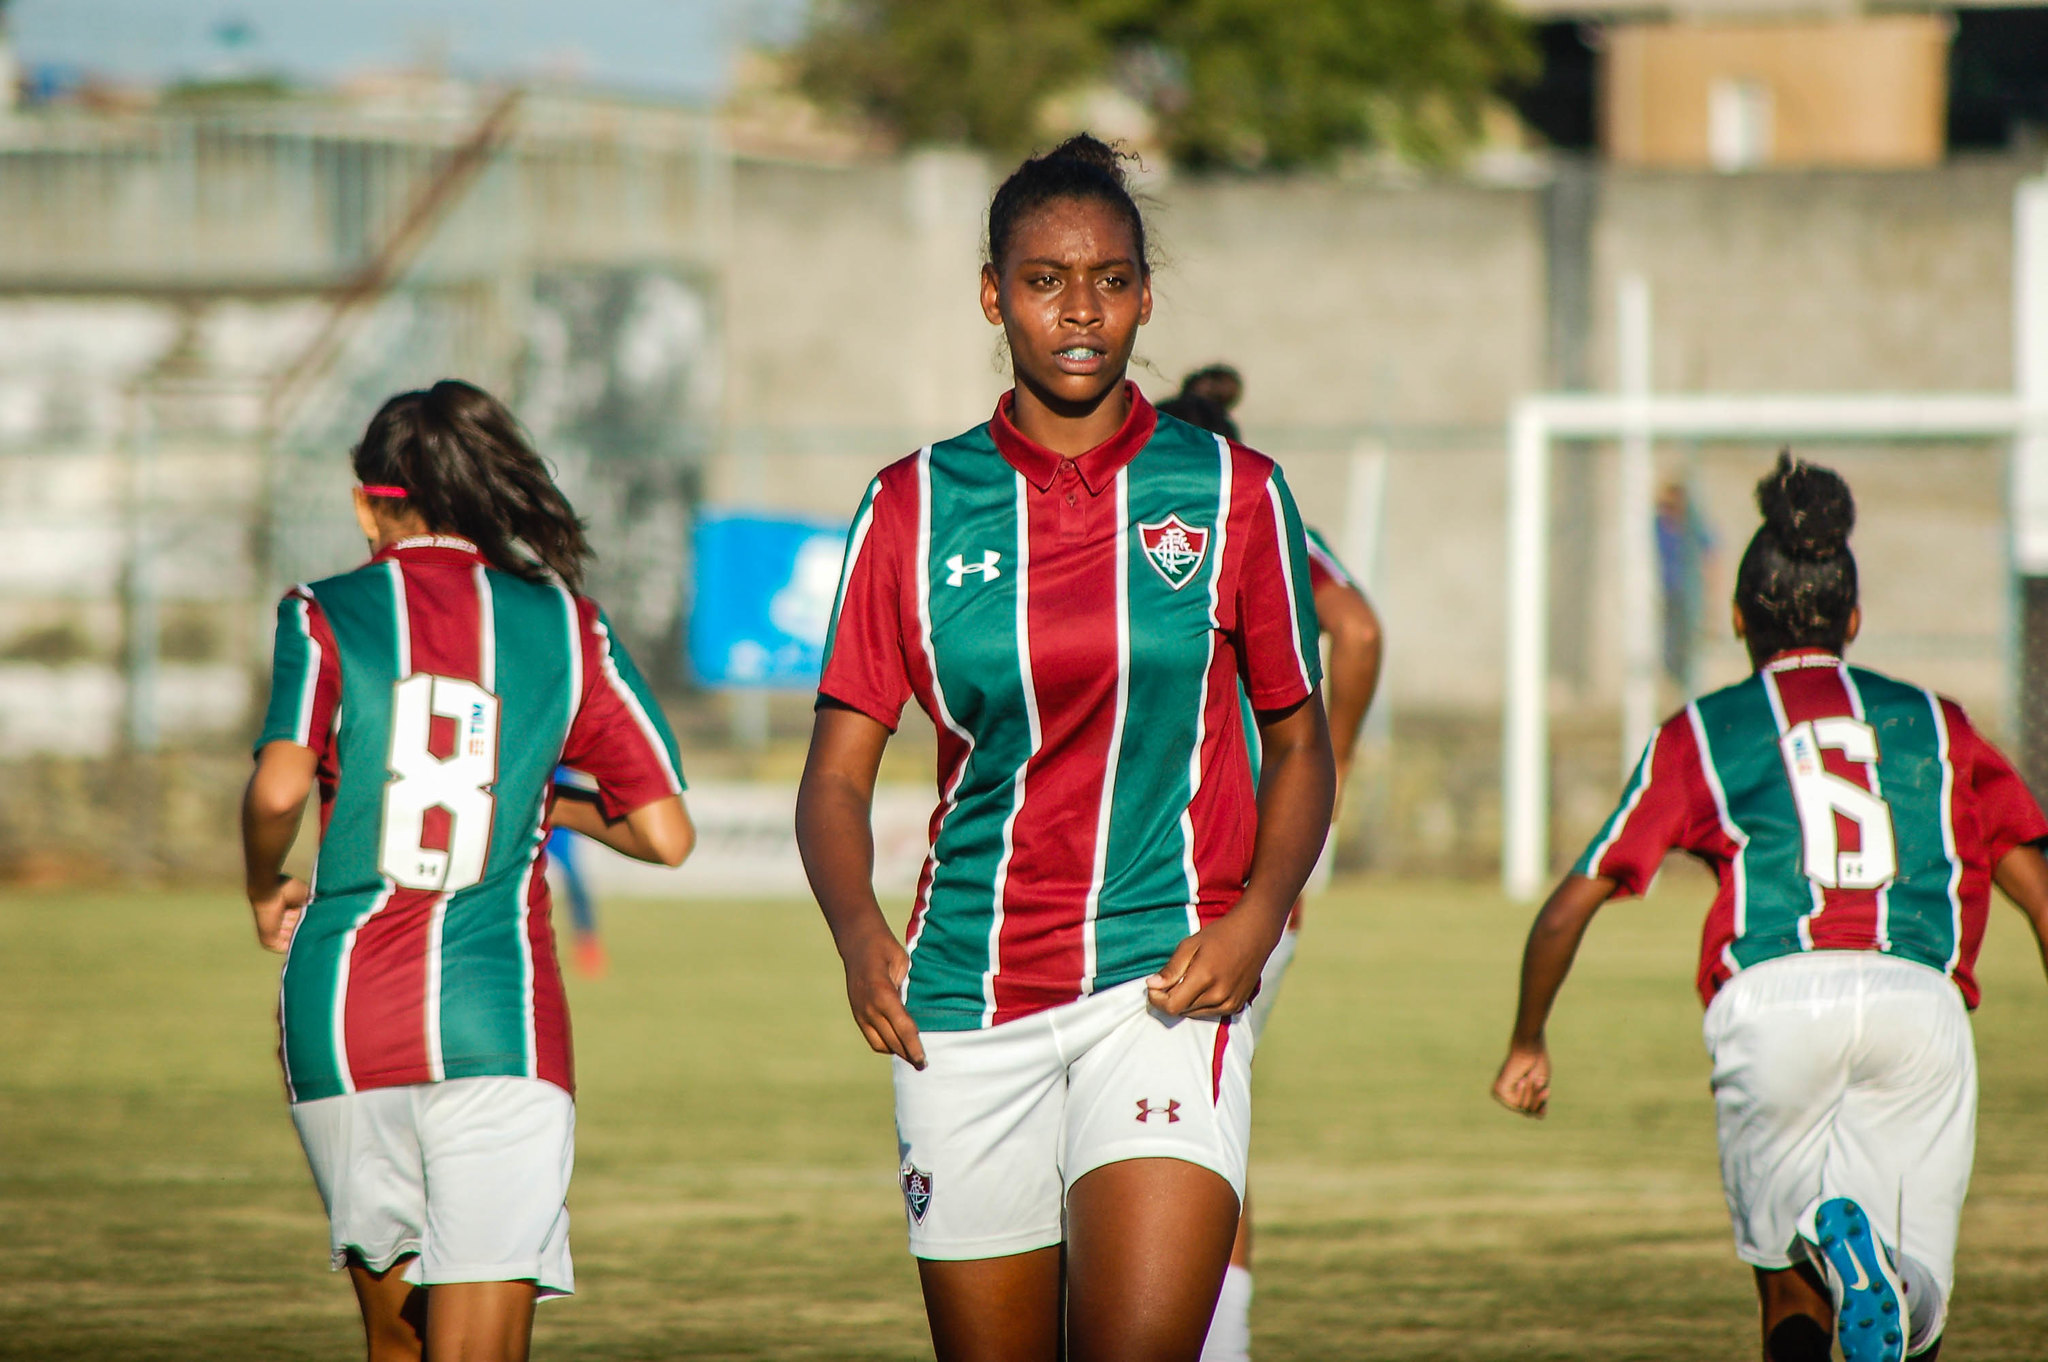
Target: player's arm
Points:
(272, 805)
(835, 834)
(1524, 1081)
(1215, 972)
(660, 832)
(1353, 627)
(2023, 875)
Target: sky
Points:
(672, 48)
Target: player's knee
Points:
(1798, 1338)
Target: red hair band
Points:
(374, 489)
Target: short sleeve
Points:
(1667, 806)
(619, 738)
(1276, 606)
(1324, 567)
(305, 677)
(864, 664)
(2007, 813)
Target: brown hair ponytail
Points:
(466, 468)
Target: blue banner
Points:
(764, 595)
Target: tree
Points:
(1243, 83)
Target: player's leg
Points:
(978, 1140)
(1884, 1223)
(394, 1312)
(994, 1309)
(1147, 1244)
(1780, 1037)
(1158, 1117)
(1230, 1331)
(498, 1154)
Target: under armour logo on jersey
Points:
(1175, 549)
(917, 1192)
(957, 567)
(1146, 1111)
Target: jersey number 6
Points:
(420, 781)
(1821, 796)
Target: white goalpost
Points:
(1635, 417)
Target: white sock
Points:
(1230, 1328)
(1926, 1309)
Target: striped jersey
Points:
(440, 694)
(1077, 629)
(1841, 809)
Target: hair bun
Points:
(1807, 509)
(1092, 151)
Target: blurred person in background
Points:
(565, 859)
(430, 694)
(1857, 824)
(1346, 618)
(1074, 591)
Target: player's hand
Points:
(875, 970)
(1524, 1081)
(278, 911)
(1215, 972)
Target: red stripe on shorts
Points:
(1216, 1061)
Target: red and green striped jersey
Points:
(1077, 629)
(440, 694)
(1841, 809)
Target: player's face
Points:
(1070, 297)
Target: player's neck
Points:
(1065, 428)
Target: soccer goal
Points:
(1634, 420)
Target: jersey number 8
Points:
(1821, 796)
(420, 781)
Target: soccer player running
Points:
(1857, 824)
(430, 694)
(1348, 620)
(1074, 592)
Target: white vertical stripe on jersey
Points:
(1948, 827)
(1628, 807)
(573, 620)
(1820, 898)
(931, 660)
(1884, 893)
(302, 732)
(857, 541)
(1030, 690)
(1735, 834)
(402, 618)
(1287, 577)
(1114, 758)
(634, 708)
(1187, 814)
(529, 1031)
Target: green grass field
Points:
(735, 1192)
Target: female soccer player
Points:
(1857, 824)
(1347, 619)
(431, 693)
(1073, 591)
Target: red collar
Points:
(1097, 467)
(432, 548)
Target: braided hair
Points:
(1796, 586)
(466, 468)
(1082, 167)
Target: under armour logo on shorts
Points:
(1146, 1111)
(957, 567)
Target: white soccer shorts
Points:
(1003, 1120)
(1844, 1073)
(470, 1174)
(1261, 1010)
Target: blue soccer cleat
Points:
(1870, 1300)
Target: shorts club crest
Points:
(1078, 630)
(917, 1193)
